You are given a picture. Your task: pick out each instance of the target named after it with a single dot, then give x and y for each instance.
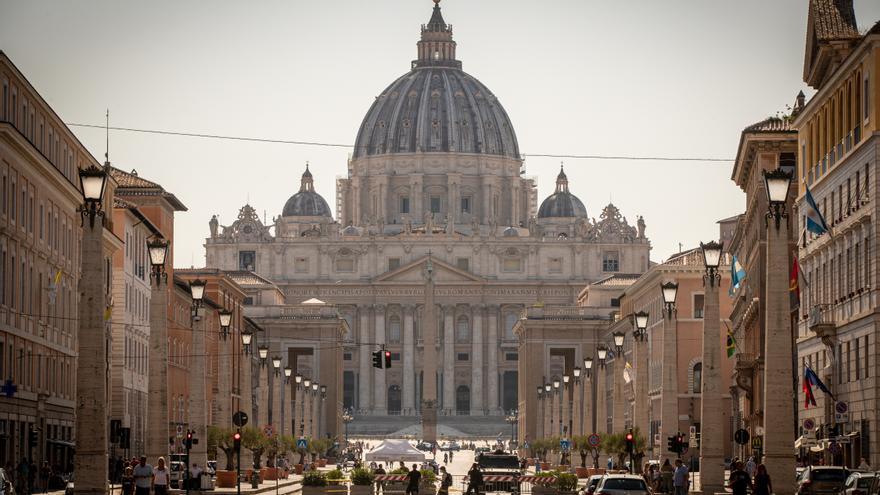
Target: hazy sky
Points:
(622, 77)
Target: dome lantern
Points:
(436, 47)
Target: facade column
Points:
(277, 383)
(296, 395)
(618, 405)
(778, 351)
(539, 417)
(157, 396)
(448, 360)
(477, 361)
(224, 411)
(565, 412)
(379, 405)
(246, 391)
(307, 412)
(547, 428)
(263, 396)
(589, 425)
(91, 376)
(198, 398)
(577, 417)
(492, 365)
(364, 387)
(287, 408)
(409, 351)
(669, 396)
(640, 409)
(711, 425)
(601, 401)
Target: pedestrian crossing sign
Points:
(302, 443)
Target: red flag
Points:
(794, 287)
(809, 398)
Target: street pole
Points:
(238, 466)
(669, 399)
(712, 429)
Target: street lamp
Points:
(315, 387)
(158, 249)
(602, 353)
(669, 291)
(197, 289)
(619, 337)
(347, 418)
(777, 183)
(556, 385)
(712, 259)
(588, 366)
(246, 338)
(323, 392)
(276, 364)
(92, 181)
(565, 379)
(298, 379)
(225, 321)
(547, 388)
(540, 392)
(577, 374)
(641, 326)
(263, 352)
(307, 383)
(287, 372)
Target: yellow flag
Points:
(108, 312)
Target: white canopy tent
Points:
(395, 450)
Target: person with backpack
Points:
(445, 481)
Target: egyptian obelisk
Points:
(429, 364)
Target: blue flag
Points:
(813, 379)
(815, 221)
(737, 275)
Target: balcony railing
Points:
(821, 316)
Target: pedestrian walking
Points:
(161, 477)
(143, 477)
(380, 485)
(21, 477)
(445, 458)
(128, 481)
(680, 478)
(475, 479)
(445, 481)
(739, 480)
(762, 484)
(751, 466)
(413, 478)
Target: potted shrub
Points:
(362, 482)
(426, 484)
(221, 438)
(579, 442)
(566, 483)
(314, 483)
(254, 440)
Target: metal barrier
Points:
(492, 483)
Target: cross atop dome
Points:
(436, 47)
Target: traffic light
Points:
(671, 444)
(32, 438)
(387, 359)
(188, 443)
(630, 442)
(236, 440)
(377, 359)
(679, 443)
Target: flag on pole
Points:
(794, 287)
(53, 286)
(737, 274)
(627, 373)
(731, 344)
(811, 380)
(815, 221)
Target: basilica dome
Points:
(306, 203)
(436, 107)
(562, 203)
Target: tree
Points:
(221, 438)
(615, 444)
(579, 443)
(254, 440)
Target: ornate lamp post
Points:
(602, 354)
(641, 326)
(157, 394)
(287, 372)
(314, 411)
(548, 410)
(640, 359)
(307, 386)
(347, 418)
(539, 413)
(511, 419)
(197, 290)
(246, 338)
(779, 390)
(225, 322)
(711, 445)
(588, 366)
(198, 393)
(298, 380)
(158, 250)
(276, 364)
(91, 387)
(263, 353)
(669, 399)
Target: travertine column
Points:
(492, 366)
(601, 401)
(307, 412)
(409, 351)
(548, 415)
(157, 397)
(589, 425)
(416, 198)
(91, 385)
(198, 397)
(564, 397)
(640, 409)
(296, 395)
(712, 427)
(577, 417)
(364, 355)
(554, 412)
(618, 405)
(448, 360)
(315, 418)
(246, 391)
(379, 405)
(669, 397)
(276, 383)
(778, 351)
(223, 415)
(287, 400)
(477, 362)
(263, 394)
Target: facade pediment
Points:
(414, 272)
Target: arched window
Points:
(462, 330)
(697, 373)
(510, 320)
(394, 330)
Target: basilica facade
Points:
(436, 174)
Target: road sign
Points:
(594, 440)
(268, 431)
(809, 424)
(692, 441)
(757, 442)
(240, 419)
(179, 429)
(565, 444)
(834, 448)
(302, 443)
(526, 445)
(841, 417)
(741, 437)
(841, 407)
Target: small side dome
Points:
(351, 230)
(562, 203)
(306, 203)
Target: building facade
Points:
(838, 149)
(436, 171)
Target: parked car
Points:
(6, 487)
(452, 446)
(592, 483)
(177, 474)
(816, 480)
(425, 446)
(859, 483)
(622, 484)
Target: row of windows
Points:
(851, 360)
(844, 275)
(28, 286)
(136, 355)
(836, 127)
(36, 369)
(462, 328)
(19, 203)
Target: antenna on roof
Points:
(107, 132)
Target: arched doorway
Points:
(394, 400)
(463, 400)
